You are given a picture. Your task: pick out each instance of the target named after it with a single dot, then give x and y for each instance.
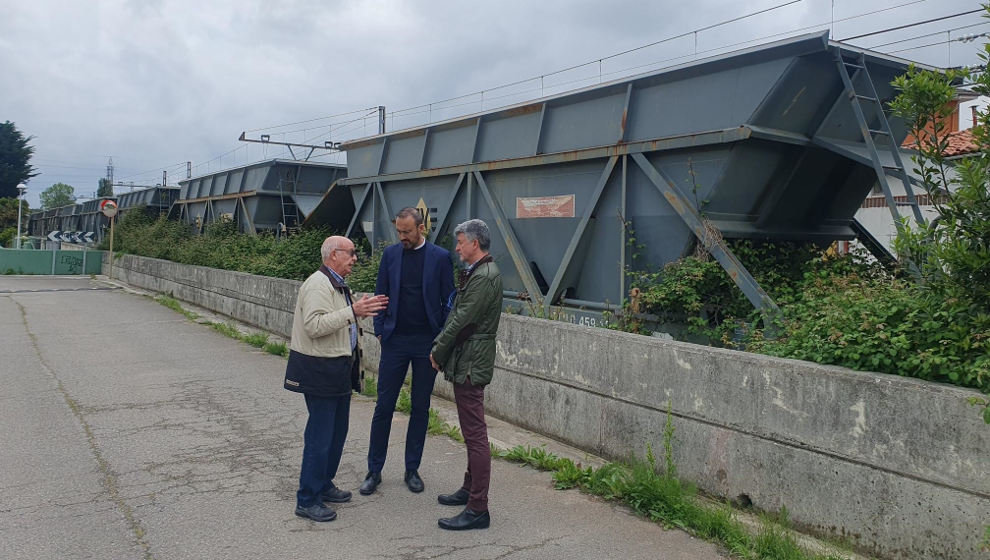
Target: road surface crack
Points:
(109, 477)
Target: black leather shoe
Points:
(371, 481)
(414, 482)
(459, 498)
(467, 519)
(336, 495)
(318, 512)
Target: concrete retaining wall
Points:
(898, 466)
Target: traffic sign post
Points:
(109, 209)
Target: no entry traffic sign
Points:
(109, 208)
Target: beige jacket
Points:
(320, 325)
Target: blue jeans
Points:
(397, 353)
(323, 444)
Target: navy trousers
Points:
(323, 444)
(397, 353)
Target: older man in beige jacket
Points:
(324, 365)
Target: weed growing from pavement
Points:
(228, 330)
(174, 305)
(663, 498)
(438, 427)
(370, 387)
(277, 348)
(258, 340)
(435, 426)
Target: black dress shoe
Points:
(318, 512)
(467, 519)
(371, 481)
(414, 482)
(336, 495)
(459, 498)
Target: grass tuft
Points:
(276, 348)
(404, 403)
(438, 427)
(258, 340)
(174, 305)
(657, 495)
(227, 329)
(370, 387)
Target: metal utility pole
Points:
(381, 119)
(21, 189)
(188, 170)
(164, 178)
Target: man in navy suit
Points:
(418, 278)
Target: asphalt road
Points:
(129, 431)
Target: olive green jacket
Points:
(465, 348)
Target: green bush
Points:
(6, 236)
(365, 271)
(839, 310)
(220, 246)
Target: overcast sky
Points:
(157, 83)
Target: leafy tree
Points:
(8, 214)
(15, 155)
(105, 188)
(57, 195)
(953, 251)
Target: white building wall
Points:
(966, 108)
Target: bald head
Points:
(338, 254)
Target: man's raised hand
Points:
(369, 306)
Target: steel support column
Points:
(511, 243)
(388, 213)
(446, 209)
(357, 211)
(578, 234)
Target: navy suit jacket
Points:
(438, 283)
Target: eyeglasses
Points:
(351, 252)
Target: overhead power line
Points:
(599, 60)
(915, 24)
(963, 39)
(314, 119)
(960, 28)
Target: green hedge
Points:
(221, 246)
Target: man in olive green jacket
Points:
(465, 351)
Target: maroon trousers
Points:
(470, 400)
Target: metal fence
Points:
(54, 262)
